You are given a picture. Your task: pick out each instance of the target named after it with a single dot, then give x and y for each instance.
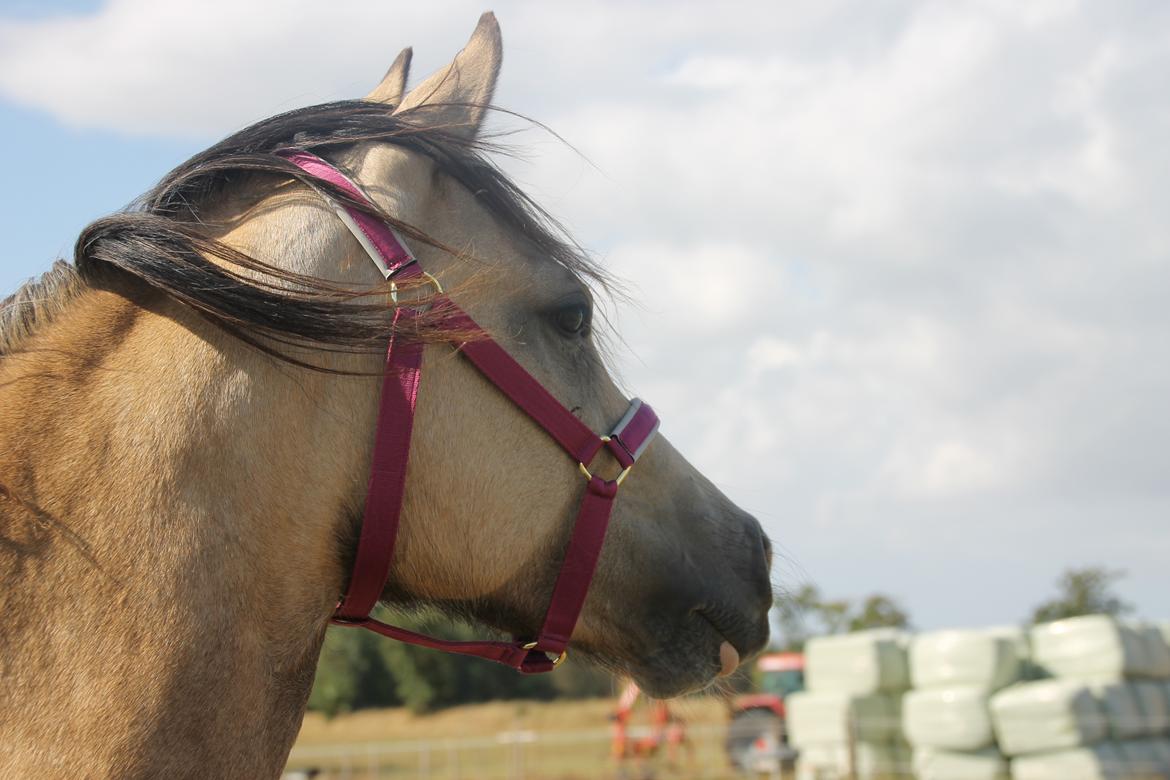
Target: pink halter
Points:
(371, 568)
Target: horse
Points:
(187, 420)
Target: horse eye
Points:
(573, 319)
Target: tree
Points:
(879, 611)
(833, 616)
(1084, 591)
(428, 680)
(361, 669)
(351, 674)
(792, 612)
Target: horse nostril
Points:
(767, 549)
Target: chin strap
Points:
(387, 483)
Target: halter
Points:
(383, 508)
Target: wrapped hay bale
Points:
(871, 761)
(1143, 761)
(821, 718)
(942, 659)
(1018, 637)
(1119, 703)
(820, 762)
(1154, 706)
(1102, 761)
(1046, 715)
(1015, 635)
(1160, 747)
(948, 718)
(863, 662)
(1163, 629)
(1088, 646)
(933, 764)
(1157, 650)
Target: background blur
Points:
(900, 267)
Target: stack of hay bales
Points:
(1103, 715)
(946, 718)
(847, 723)
(1162, 628)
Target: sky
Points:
(899, 268)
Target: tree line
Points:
(1089, 590)
(360, 669)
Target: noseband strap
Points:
(383, 508)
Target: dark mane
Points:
(161, 240)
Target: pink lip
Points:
(728, 659)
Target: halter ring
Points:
(589, 475)
(555, 662)
(426, 275)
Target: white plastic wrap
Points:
(1157, 650)
(873, 761)
(1014, 634)
(947, 718)
(1046, 715)
(862, 662)
(1088, 646)
(1119, 702)
(1019, 637)
(1102, 761)
(970, 657)
(1166, 689)
(1154, 706)
(1143, 759)
(1163, 627)
(1160, 747)
(819, 718)
(931, 764)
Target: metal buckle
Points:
(555, 661)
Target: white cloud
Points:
(769, 354)
(902, 270)
(193, 69)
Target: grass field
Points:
(513, 740)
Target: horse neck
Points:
(168, 545)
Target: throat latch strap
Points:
(383, 508)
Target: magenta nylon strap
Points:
(387, 483)
(379, 240)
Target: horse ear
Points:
(393, 84)
(461, 91)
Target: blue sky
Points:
(62, 178)
(36, 9)
(922, 245)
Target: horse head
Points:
(682, 589)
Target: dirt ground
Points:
(516, 740)
(489, 719)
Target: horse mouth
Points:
(729, 654)
(690, 655)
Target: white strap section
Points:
(635, 405)
(364, 240)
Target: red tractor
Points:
(757, 740)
